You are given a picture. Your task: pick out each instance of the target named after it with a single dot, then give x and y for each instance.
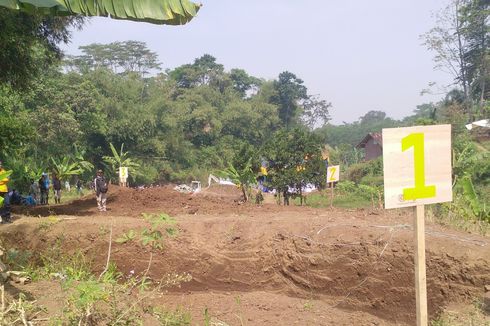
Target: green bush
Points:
(356, 172)
(346, 187)
(372, 180)
(147, 174)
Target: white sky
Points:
(360, 55)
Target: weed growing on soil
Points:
(107, 299)
(210, 321)
(239, 315)
(127, 237)
(471, 315)
(47, 223)
(158, 220)
(308, 305)
(19, 311)
(55, 264)
(321, 200)
(177, 317)
(442, 215)
(152, 236)
(17, 259)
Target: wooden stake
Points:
(331, 194)
(420, 275)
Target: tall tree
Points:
(127, 56)
(315, 112)
(289, 92)
(459, 41)
(29, 44)
(475, 15)
(204, 71)
(242, 81)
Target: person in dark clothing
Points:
(79, 187)
(57, 189)
(286, 195)
(101, 187)
(43, 190)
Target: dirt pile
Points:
(348, 260)
(133, 202)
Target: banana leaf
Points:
(471, 196)
(167, 12)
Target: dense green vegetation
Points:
(178, 125)
(114, 104)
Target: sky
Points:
(359, 55)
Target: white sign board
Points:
(417, 165)
(123, 174)
(333, 173)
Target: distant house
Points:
(373, 145)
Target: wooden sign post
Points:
(417, 171)
(333, 175)
(123, 176)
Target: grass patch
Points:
(110, 298)
(46, 223)
(453, 216)
(472, 315)
(177, 317)
(322, 200)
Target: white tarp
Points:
(481, 123)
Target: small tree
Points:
(241, 170)
(295, 160)
(121, 159)
(65, 168)
(79, 158)
(243, 178)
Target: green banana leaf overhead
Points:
(168, 12)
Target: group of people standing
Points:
(99, 185)
(39, 190)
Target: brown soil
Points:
(271, 265)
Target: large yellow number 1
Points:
(416, 140)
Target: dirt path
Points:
(273, 265)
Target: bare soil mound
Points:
(133, 202)
(349, 260)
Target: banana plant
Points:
(4, 175)
(65, 168)
(121, 159)
(243, 178)
(167, 12)
(79, 158)
(480, 210)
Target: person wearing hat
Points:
(5, 208)
(101, 187)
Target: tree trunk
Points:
(244, 191)
(483, 68)
(462, 61)
(300, 196)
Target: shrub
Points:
(358, 171)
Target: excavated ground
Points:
(268, 265)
